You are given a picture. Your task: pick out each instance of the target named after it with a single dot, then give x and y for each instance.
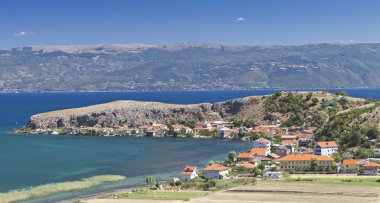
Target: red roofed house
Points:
(189, 173)
(325, 148)
(350, 165)
(371, 168)
(288, 139)
(216, 171)
(248, 165)
(262, 143)
(293, 162)
(244, 156)
(259, 152)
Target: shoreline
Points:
(195, 90)
(100, 194)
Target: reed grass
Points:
(53, 188)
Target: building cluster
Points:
(355, 165)
(318, 158)
(223, 129)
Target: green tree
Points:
(232, 156)
(238, 123)
(255, 171)
(261, 166)
(150, 180)
(337, 157)
(344, 102)
(361, 170)
(313, 164)
(211, 162)
(308, 96)
(373, 133)
(314, 101)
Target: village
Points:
(269, 160)
(277, 159)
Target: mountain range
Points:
(188, 66)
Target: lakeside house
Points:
(225, 132)
(244, 156)
(180, 129)
(350, 166)
(189, 173)
(325, 148)
(216, 171)
(259, 152)
(150, 133)
(262, 143)
(371, 168)
(294, 162)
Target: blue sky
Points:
(249, 22)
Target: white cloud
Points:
(240, 19)
(22, 33)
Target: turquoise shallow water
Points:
(30, 160)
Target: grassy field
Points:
(365, 181)
(52, 188)
(216, 185)
(158, 195)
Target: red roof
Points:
(248, 165)
(262, 140)
(371, 164)
(327, 144)
(258, 151)
(288, 137)
(216, 167)
(306, 157)
(350, 162)
(187, 172)
(244, 155)
(287, 142)
(273, 155)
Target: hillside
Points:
(192, 66)
(349, 121)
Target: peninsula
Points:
(327, 114)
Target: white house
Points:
(262, 143)
(325, 148)
(371, 168)
(216, 171)
(225, 132)
(273, 174)
(189, 173)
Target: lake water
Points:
(30, 160)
